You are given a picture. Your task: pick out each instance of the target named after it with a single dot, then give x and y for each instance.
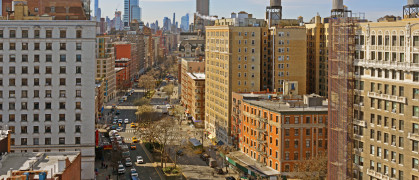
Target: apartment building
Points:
(233, 59)
(105, 66)
(317, 75)
(47, 87)
(188, 65)
(386, 110)
(59, 10)
(289, 46)
(195, 97)
(278, 132)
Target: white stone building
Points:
(47, 87)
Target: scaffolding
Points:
(341, 94)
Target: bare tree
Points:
(178, 112)
(169, 90)
(147, 82)
(141, 101)
(313, 168)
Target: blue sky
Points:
(157, 9)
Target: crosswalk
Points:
(130, 131)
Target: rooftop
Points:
(251, 164)
(282, 104)
(197, 76)
(46, 161)
(3, 134)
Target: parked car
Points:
(118, 112)
(134, 172)
(114, 122)
(121, 169)
(126, 121)
(230, 178)
(120, 121)
(140, 160)
(128, 162)
(119, 129)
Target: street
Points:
(146, 170)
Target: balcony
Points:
(379, 175)
(265, 120)
(388, 97)
(360, 123)
(261, 140)
(261, 151)
(387, 64)
(413, 136)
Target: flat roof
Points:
(249, 163)
(3, 134)
(197, 76)
(286, 106)
(38, 161)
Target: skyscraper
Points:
(132, 11)
(184, 23)
(174, 19)
(202, 7)
(97, 14)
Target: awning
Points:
(211, 136)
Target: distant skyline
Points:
(153, 10)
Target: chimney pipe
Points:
(337, 5)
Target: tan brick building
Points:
(386, 110)
(188, 65)
(105, 66)
(317, 75)
(194, 98)
(233, 59)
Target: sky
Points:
(158, 9)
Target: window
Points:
(36, 33)
(12, 46)
(63, 34)
(416, 111)
(1, 33)
(78, 117)
(78, 58)
(78, 81)
(48, 140)
(48, 70)
(308, 142)
(78, 34)
(23, 141)
(62, 81)
(78, 69)
(61, 140)
(78, 46)
(78, 105)
(48, 33)
(415, 163)
(48, 46)
(62, 46)
(24, 129)
(63, 58)
(77, 139)
(62, 93)
(47, 117)
(62, 105)
(61, 129)
(12, 33)
(48, 129)
(35, 141)
(78, 93)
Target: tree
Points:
(141, 101)
(169, 90)
(147, 82)
(313, 168)
(178, 112)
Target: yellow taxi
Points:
(134, 140)
(133, 125)
(133, 146)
